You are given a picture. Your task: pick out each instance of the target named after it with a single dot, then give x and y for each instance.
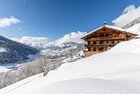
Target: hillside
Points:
(11, 51)
(112, 72)
(132, 23)
(133, 26)
(135, 29)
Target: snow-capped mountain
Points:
(134, 26)
(11, 51)
(69, 49)
(60, 47)
(132, 23)
(135, 29)
(44, 42)
(37, 42)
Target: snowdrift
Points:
(113, 72)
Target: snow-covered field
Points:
(113, 72)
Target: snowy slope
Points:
(113, 72)
(133, 26)
(132, 46)
(135, 29)
(132, 23)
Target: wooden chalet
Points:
(104, 38)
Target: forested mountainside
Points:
(11, 51)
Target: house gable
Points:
(106, 29)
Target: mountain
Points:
(133, 26)
(132, 23)
(61, 47)
(44, 42)
(66, 50)
(11, 51)
(37, 42)
(112, 72)
(134, 29)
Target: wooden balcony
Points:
(100, 45)
(106, 38)
(94, 48)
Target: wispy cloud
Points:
(129, 14)
(5, 22)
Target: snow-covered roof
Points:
(110, 27)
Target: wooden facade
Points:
(104, 38)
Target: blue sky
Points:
(54, 18)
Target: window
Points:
(107, 42)
(101, 42)
(89, 49)
(106, 35)
(94, 42)
(88, 42)
(98, 35)
(112, 42)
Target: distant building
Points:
(104, 38)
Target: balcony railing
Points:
(100, 45)
(107, 38)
